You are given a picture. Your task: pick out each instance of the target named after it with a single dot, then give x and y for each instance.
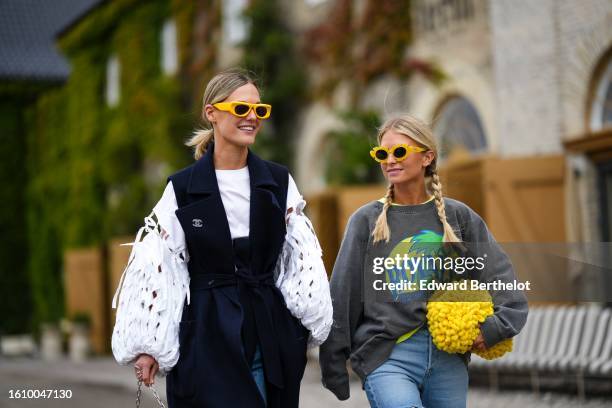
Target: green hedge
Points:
(15, 307)
(347, 149)
(95, 171)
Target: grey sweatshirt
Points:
(368, 321)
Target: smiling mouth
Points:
(247, 128)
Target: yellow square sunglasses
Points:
(241, 109)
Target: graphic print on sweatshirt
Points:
(417, 253)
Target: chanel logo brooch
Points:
(196, 222)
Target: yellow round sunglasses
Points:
(399, 151)
(241, 109)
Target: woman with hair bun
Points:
(228, 288)
(386, 336)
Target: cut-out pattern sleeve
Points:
(153, 289)
(302, 278)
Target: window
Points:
(605, 198)
(458, 126)
(439, 15)
(169, 54)
(113, 69)
(601, 108)
(234, 26)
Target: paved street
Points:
(97, 383)
(102, 383)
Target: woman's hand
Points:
(479, 343)
(146, 367)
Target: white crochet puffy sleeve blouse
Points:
(155, 283)
(301, 274)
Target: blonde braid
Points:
(436, 186)
(381, 229)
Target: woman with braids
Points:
(384, 332)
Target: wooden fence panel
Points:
(329, 212)
(464, 182)
(85, 286)
(351, 198)
(521, 199)
(322, 209)
(525, 199)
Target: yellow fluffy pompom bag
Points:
(454, 317)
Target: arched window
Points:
(601, 106)
(458, 125)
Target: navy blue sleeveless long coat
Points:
(234, 307)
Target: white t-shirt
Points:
(235, 189)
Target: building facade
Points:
(537, 75)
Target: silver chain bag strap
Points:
(155, 395)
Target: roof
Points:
(27, 37)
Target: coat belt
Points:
(249, 287)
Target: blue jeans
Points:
(258, 373)
(417, 374)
